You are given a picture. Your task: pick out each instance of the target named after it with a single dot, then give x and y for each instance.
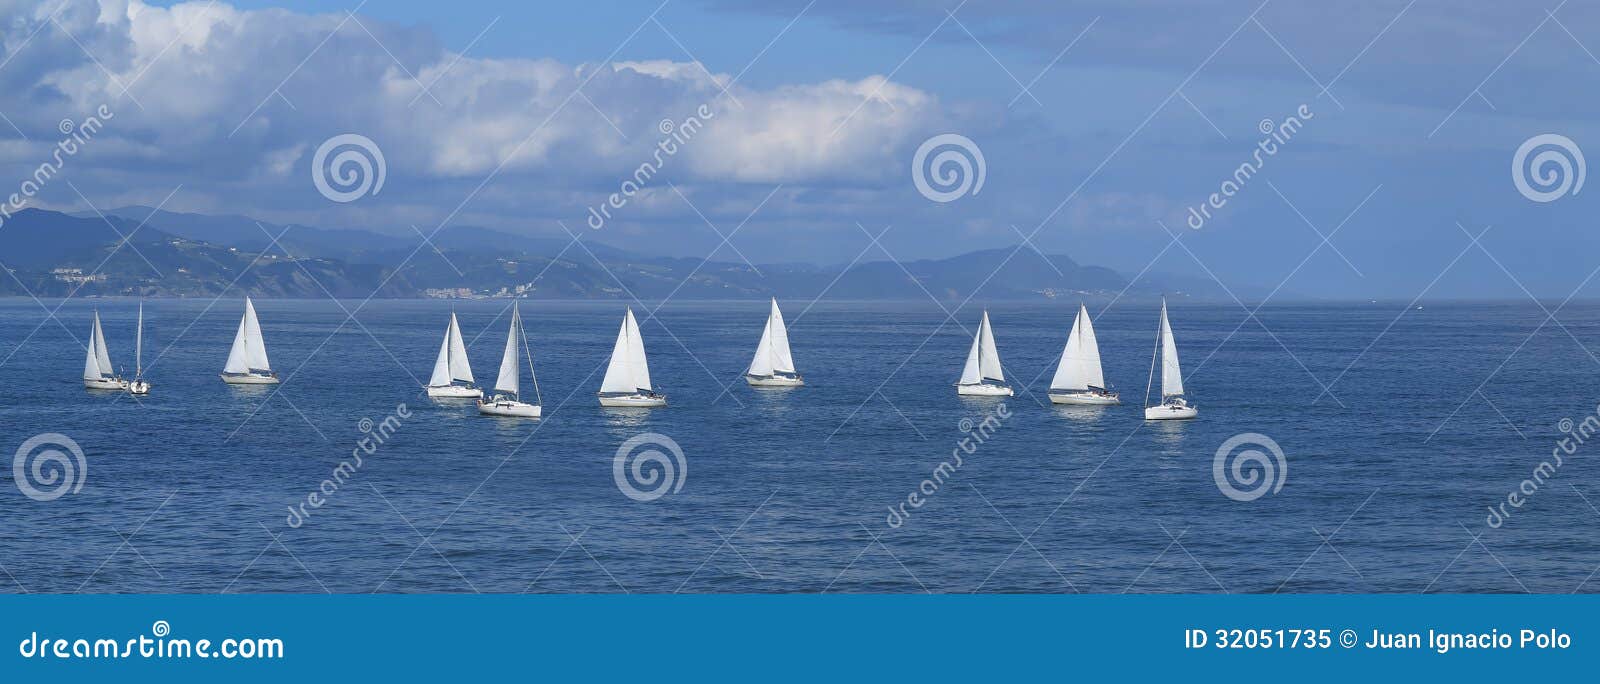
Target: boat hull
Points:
(634, 401)
(249, 379)
(1170, 412)
(455, 392)
(510, 409)
(983, 390)
(1084, 399)
(774, 381)
(113, 384)
(139, 387)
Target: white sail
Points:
(988, 355)
(636, 360)
(969, 372)
(772, 354)
(237, 364)
(782, 360)
(255, 348)
(102, 357)
(91, 361)
(441, 365)
(761, 365)
(138, 345)
(1080, 360)
(618, 377)
(1171, 375)
(508, 382)
(460, 369)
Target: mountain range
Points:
(48, 253)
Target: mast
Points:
(1153, 355)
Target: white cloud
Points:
(231, 95)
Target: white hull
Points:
(774, 381)
(1085, 399)
(455, 392)
(105, 384)
(634, 401)
(1170, 412)
(249, 379)
(510, 409)
(983, 390)
(139, 387)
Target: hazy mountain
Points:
(176, 254)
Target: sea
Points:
(1340, 447)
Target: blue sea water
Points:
(1437, 414)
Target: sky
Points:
(1100, 125)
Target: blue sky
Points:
(1150, 110)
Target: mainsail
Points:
(1079, 369)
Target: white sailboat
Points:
(139, 386)
(773, 365)
(1173, 406)
(983, 376)
(1079, 378)
(627, 381)
(247, 359)
(452, 374)
(507, 399)
(98, 373)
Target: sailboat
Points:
(1079, 378)
(1173, 404)
(773, 366)
(247, 360)
(627, 381)
(139, 386)
(98, 373)
(507, 400)
(451, 367)
(982, 376)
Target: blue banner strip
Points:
(787, 637)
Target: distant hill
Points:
(202, 255)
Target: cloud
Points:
(218, 97)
